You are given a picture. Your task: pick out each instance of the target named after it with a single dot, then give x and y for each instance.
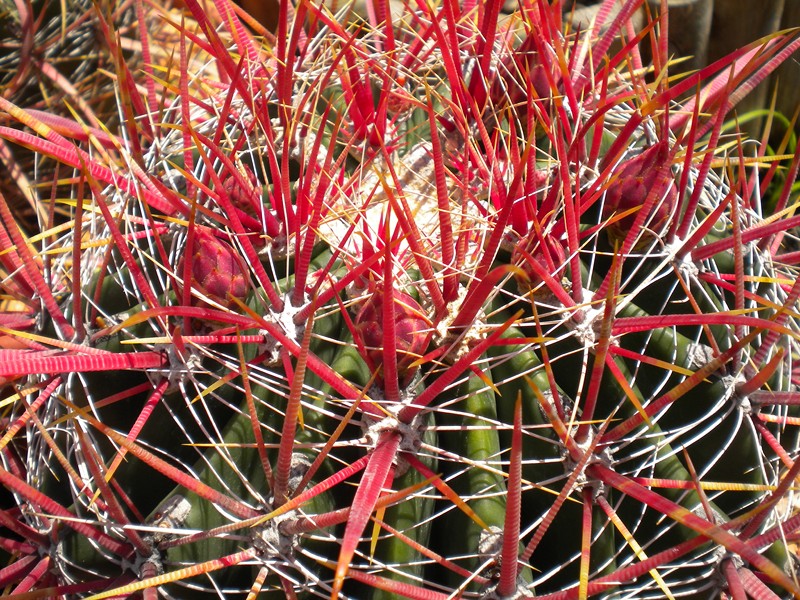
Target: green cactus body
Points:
(476, 412)
(413, 519)
(207, 392)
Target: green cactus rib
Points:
(524, 369)
(707, 529)
(412, 519)
(468, 424)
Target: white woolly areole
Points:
(410, 433)
(285, 322)
(587, 329)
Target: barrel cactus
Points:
(436, 303)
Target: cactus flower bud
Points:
(399, 99)
(218, 271)
(553, 262)
(634, 180)
(523, 77)
(241, 198)
(410, 326)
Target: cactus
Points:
(54, 63)
(429, 305)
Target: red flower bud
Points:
(242, 198)
(523, 76)
(218, 271)
(631, 185)
(548, 256)
(411, 327)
